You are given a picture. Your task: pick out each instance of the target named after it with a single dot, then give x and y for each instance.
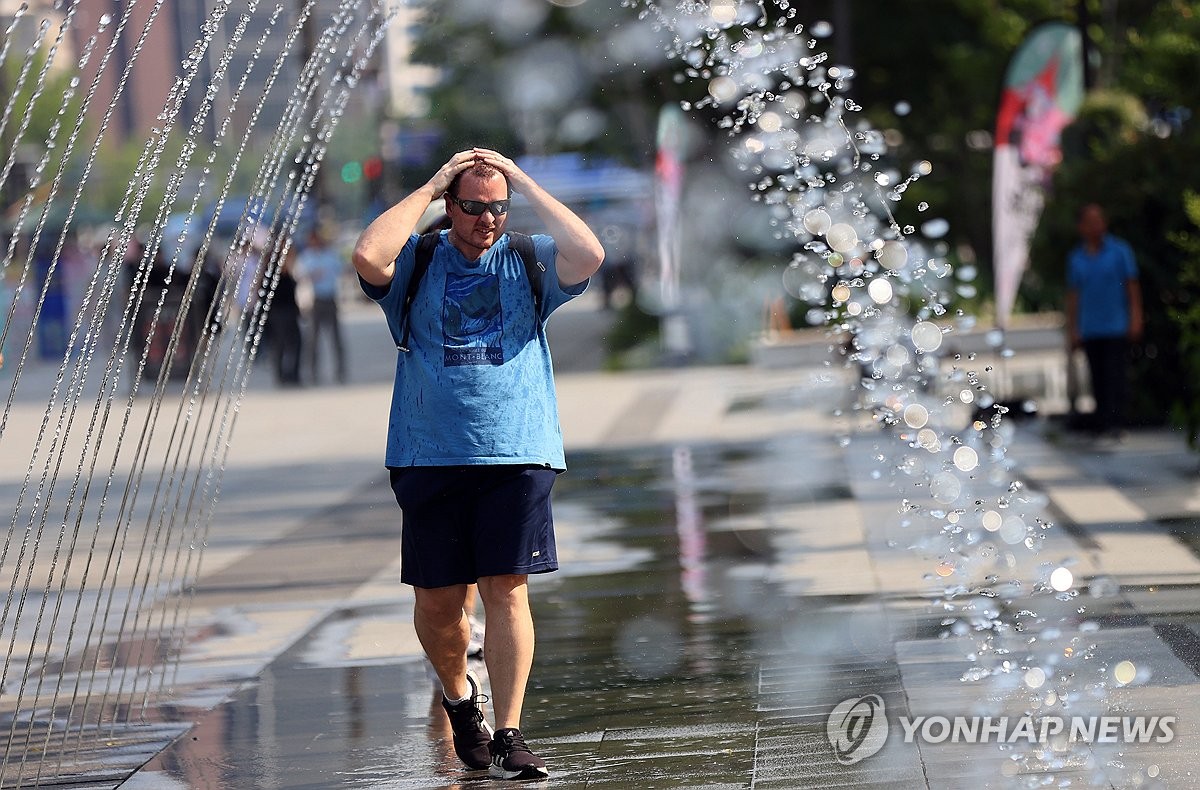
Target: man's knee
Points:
(440, 606)
(504, 589)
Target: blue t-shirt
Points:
(1099, 281)
(323, 267)
(477, 386)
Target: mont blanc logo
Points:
(857, 728)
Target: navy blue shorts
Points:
(463, 522)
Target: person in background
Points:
(474, 441)
(283, 323)
(1104, 315)
(322, 267)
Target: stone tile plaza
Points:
(733, 569)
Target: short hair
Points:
(1086, 207)
(481, 170)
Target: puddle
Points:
(653, 642)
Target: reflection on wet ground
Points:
(716, 602)
(666, 656)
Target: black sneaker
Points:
(511, 758)
(472, 735)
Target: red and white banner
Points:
(1043, 90)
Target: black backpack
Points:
(428, 242)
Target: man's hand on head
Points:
(517, 179)
(444, 177)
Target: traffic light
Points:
(352, 172)
(372, 170)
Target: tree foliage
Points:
(527, 76)
(535, 77)
(1135, 150)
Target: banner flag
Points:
(1043, 90)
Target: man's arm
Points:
(1133, 291)
(375, 252)
(1072, 306)
(579, 251)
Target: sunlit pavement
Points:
(733, 568)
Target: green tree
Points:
(33, 120)
(1134, 150)
(1184, 313)
(538, 78)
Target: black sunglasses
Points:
(477, 207)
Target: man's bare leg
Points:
(443, 631)
(508, 644)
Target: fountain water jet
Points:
(69, 696)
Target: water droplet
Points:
(916, 415)
(1012, 530)
(1061, 579)
(723, 12)
(880, 290)
(842, 237)
(966, 459)
(1035, 677)
(817, 221)
(722, 89)
(926, 336)
(892, 255)
(945, 488)
(1125, 673)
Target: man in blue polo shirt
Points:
(474, 441)
(1104, 313)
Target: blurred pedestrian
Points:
(1104, 315)
(474, 441)
(322, 267)
(283, 323)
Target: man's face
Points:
(482, 231)
(1092, 224)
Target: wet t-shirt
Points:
(477, 386)
(1100, 281)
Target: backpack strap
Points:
(534, 269)
(426, 244)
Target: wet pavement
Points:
(734, 565)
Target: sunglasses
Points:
(477, 207)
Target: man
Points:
(321, 265)
(1104, 314)
(474, 441)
